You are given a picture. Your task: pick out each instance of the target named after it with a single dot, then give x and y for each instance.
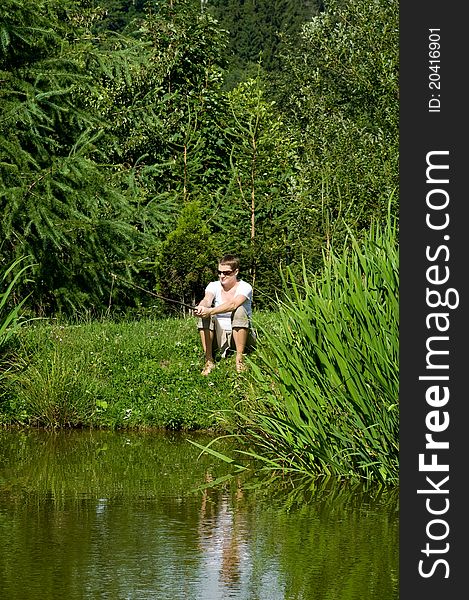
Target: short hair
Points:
(230, 260)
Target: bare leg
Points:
(206, 337)
(240, 337)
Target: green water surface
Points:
(112, 515)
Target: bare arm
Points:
(204, 310)
(206, 302)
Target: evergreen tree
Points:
(60, 201)
(103, 137)
(188, 257)
(257, 29)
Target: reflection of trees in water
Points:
(222, 532)
(95, 515)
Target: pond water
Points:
(112, 515)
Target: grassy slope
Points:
(137, 374)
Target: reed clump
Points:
(55, 390)
(327, 377)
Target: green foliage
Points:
(11, 318)
(117, 15)
(56, 391)
(113, 117)
(188, 257)
(101, 135)
(167, 120)
(339, 87)
(11, 312)
(27, 30)
(256, 29)
(255, 212)
(60, 203)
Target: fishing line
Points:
(154, 293)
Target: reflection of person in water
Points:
(231, 558)
(222, 535)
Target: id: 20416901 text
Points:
(434, 77)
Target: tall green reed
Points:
(327, 377)
(10, 316)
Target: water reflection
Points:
(223, 540)
(111, 515)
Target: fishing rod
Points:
(154, 293)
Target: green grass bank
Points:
(137, 374)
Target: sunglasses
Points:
(227, 273)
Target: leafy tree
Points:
(103, 136)
(164, 118)
(164, 109)
(339, 88)
(187, 258)
(113, 118)
(187, 47)
(254, 216)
